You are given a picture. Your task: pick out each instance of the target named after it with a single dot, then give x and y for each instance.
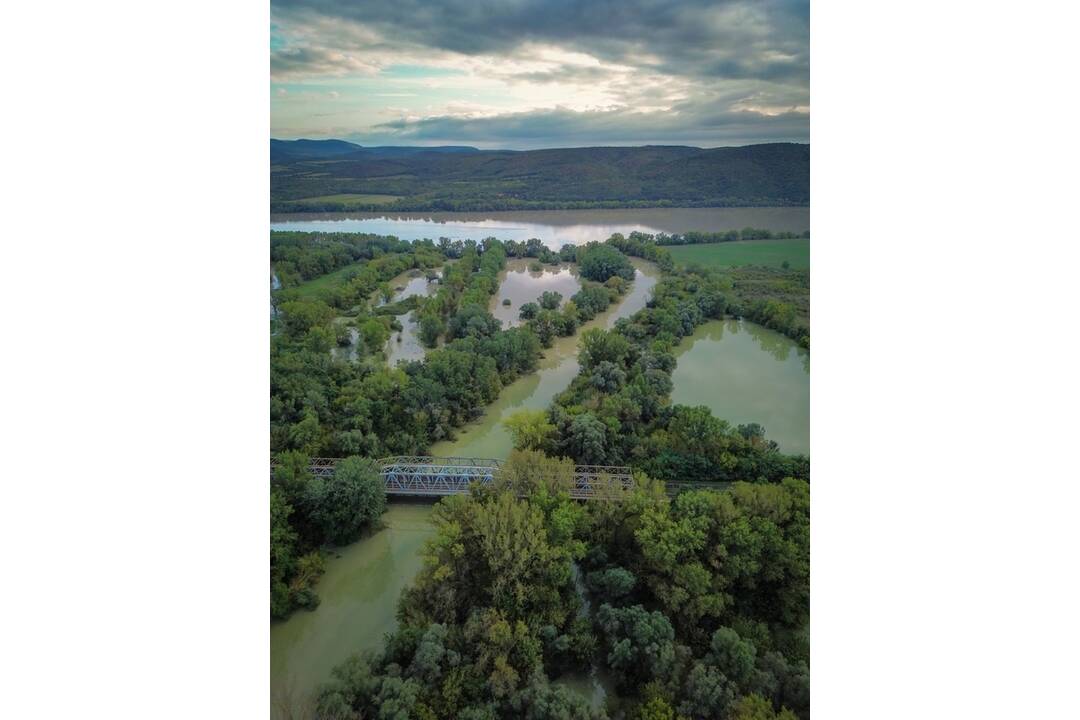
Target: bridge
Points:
(427, 476)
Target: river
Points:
(554, 227)
(358, 601)
(747, 373)
(486, 437)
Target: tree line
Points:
(747, 233)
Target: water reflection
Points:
(746, 373)
(554, 227)
(521, 285)
(486, 437)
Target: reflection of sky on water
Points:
(552, 235)
(554, 227)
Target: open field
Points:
(315, 287)
(771, 253)
(351, 199)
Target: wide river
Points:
(555, 227)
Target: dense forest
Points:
(695, 605)
(312, 177)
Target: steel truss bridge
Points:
(415, 475)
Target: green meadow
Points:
(770, 253)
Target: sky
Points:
(524, 74)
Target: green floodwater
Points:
(486, 437)
(358, 595)
(747, 373)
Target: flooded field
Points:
(520, 285)
(747, 373)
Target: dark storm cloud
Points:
(690, 125)
(766, 39)
(716, 72)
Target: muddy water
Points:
(554, 227)
(521, 285)
(747, 373)
(486, 437)
(358, 601)
(405, 345)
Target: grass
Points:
(314, 288)
(770, 253)
(356, 198)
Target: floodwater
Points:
(596, 684)
(359, 595)
(486, 437)
(554, 227)
(522, 285)
(747, 373)
(404, 344)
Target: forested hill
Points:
(292, 150)
(342, 176)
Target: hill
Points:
(462, 178)
(285, 151)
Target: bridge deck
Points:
(421, 476)
(427, 476)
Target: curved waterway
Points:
(747, 373)
(359, 594)
(486, 437)
(554, 227)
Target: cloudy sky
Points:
(541, 73)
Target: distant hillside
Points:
(293, 150)
(461, 178)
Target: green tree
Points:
(755, 707)
(550, 300)
(342, 505)
(528, 311)
(282, 548)
(530, 429)
(600, 261)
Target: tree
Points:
(528, 311)
(755, 707)
(598, 346)
(707, 694)
(530, 429)
(640, 644)
(613, 583)
(431, 327)
(341, 505)
(600, 261)
(587, 439)
(282, 546)
(732, 656)
(550, 300)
